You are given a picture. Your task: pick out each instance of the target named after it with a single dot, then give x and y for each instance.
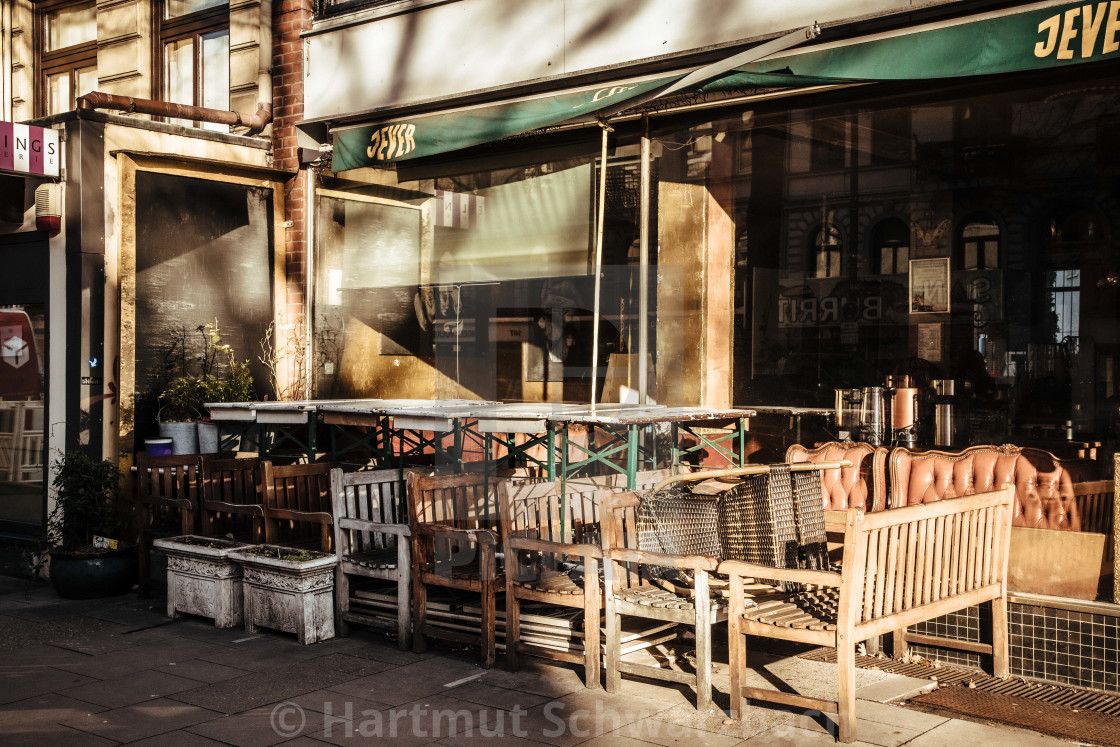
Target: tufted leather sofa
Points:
(863, 485)
(1043, 487)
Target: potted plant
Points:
(88, 558)
(202, 578)
(182, 403)
(288, 589)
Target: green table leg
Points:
(632, 457)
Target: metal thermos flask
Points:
(847, 408)
(944, 391)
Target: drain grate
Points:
(1073, 697)
(1066, 711)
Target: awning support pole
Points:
(599, 264)
(643, 267)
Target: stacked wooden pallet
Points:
(541, 625)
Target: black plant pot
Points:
(87, 576)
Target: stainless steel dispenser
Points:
(873, 416)
(847, 403)
(944, 400)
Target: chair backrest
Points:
(863, 485)
(919, 555)
(466, 501)
(369, 496)
(231, 480)
(162, 479)
(1096, 502)
(303, 488)
(540, 511)
(619, 530)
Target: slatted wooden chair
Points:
(454, 524)
(297, 504)
(900, 567)
(545, 534)
(232, 498)
(167, 498)
(372, 540)
(629, 591)
(1095, 504)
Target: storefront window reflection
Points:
(22, 344)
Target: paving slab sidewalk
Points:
(118, 671)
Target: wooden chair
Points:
(232, 496)
(298, 495)
(1095, 505)
(627, 591)
(371, 539)
(542, 532)
(900, 567)
(454, 525)
(167, 502)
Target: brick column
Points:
(290, 18)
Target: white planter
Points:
(289, 595)
(202, 578)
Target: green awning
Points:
(1035, 37)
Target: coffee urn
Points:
(904, 417)
(944, 400)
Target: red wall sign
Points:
(25, 149)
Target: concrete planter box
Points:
(202, 578)
(295, 596)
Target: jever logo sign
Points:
(1074, 33)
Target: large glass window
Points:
(194, 36)
(68, 58)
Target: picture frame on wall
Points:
(929, 286)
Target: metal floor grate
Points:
(1074, 698)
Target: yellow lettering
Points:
(384, 144)
(389, 152)
(1069, 33)
(1046, 48)
(1090, 27)
(374, 139)
(606, 93)
(1112, 28)
(409, 138)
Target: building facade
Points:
(176, 204)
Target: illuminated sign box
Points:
(25, 149)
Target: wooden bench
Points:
(297, 497)
(900, 567)
(371, 539)
(167, 502)
(232, 497)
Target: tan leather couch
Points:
(863, 485)
(1043, 487)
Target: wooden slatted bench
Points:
(900, 567)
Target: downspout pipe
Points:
(255, 122)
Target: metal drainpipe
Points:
(255, 122)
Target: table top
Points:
(792, 410)
(603, 414)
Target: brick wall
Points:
(290, 18)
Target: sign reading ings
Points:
(25, 149)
